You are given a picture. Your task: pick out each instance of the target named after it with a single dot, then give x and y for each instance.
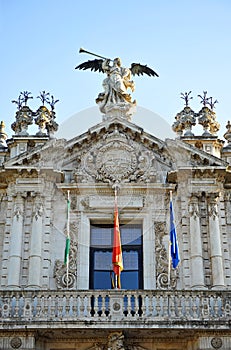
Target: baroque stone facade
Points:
(188, 308)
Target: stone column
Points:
(215, 243)
(197, 268)
(16, 238)
(35, 254)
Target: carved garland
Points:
(162, 260)
(60, 270)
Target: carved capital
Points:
(193, 207)
(212, 205)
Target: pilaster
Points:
(196, 257)
(16, 238)
(215, 243)
(35, 256)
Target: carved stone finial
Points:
(45, 117)
(207, 118)
(24, 118)
(3, 135)
(184, 121)
(227, 135)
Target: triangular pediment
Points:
(114, 151)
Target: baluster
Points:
(147, 306)
(34, 306)
(136, 305)
(67, 308)
(56, 306)
(166, 305)
(178, 305)
(63, 304)
(158, 305)
(78, 306)
(96, 305)
(212, 312)
(87, 302)
(129, 306)
(71, 302)
(12, 307)
(49, 315)
(143, 297)
(42, 307)
(21, 304)
(103, 305)
(107, 305)
(52, 306)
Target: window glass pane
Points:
(130, 235)
(130, 260)
(102, 260)
(102, 280)
(129, 280)
(101, 237)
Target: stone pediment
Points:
(114, 151)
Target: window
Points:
(101, 256)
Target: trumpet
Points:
(93, 54)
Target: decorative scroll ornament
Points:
(60, 270)
(162, 260)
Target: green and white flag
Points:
(68, 241)
(67, 250)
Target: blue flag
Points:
(174, 249)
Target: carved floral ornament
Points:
(60, 270)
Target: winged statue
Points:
(115, 99)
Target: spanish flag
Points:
(117, 258)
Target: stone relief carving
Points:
(18, 211)
(193, 207)
(162, 260)
(38, 212)
(212, 206)
(116, 158)
(60, 270)
(16, 343)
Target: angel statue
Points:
(115, 99)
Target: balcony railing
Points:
(146, 306)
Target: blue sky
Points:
(187, 42)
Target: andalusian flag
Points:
(117, 258)
(68, 241)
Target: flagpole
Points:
(169, 251)
(117, 258)
(115, 276)
(68, 231)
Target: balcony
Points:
(116, 309)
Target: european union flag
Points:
(174, 249)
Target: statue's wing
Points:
(94, 65)
(137, 68)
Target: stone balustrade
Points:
(145, 307)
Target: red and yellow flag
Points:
(117, 258)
